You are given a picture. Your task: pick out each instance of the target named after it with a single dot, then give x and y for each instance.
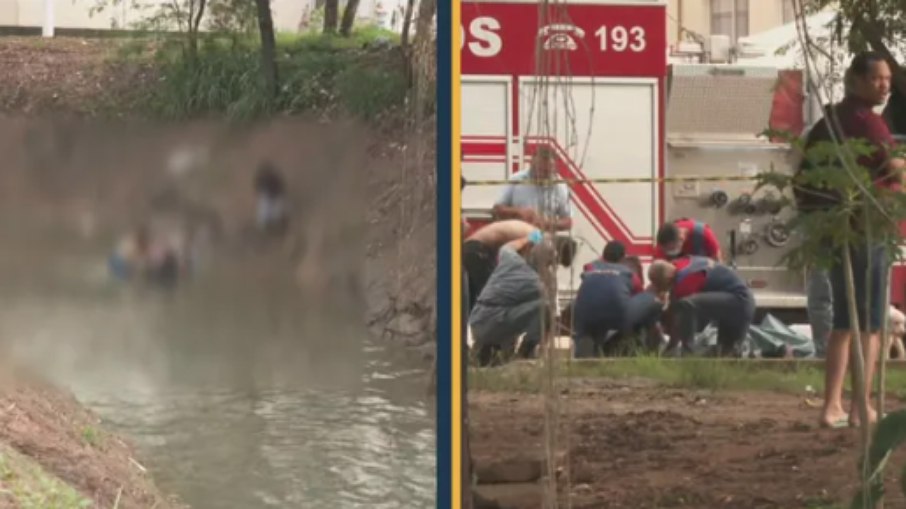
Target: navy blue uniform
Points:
(610, 299)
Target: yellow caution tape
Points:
(613, 180)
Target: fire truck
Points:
(631, 115)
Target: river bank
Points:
(55, 453)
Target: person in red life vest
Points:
(611, 299)
(702, 291)
(686, 237)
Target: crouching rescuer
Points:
(685, 237)
(513, 303)
(701, 291)
(611, 308)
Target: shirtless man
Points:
(479, 252)
(513, 302)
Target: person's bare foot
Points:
(834, 418)
(855, 421)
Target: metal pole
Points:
(48, 19)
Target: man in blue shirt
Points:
(532, 201)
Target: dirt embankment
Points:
(54, 453)
(636, 445)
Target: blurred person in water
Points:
(141, 255)
(270, 187)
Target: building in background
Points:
(289, 15)
(732, 18)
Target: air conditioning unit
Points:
(689, 48)
(719, 48)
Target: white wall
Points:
(695, 15)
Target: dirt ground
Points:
(49, 428)
(636, 445)
(66, 75)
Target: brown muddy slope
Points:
(49, 443)
(64, 75)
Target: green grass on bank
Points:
(706, 374)
(316, 73)
(28, 486)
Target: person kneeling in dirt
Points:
(513, 302)
(702, 291)
(272, 217)
(479, 252)
(611, 299)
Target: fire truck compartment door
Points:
(600, 128)
(486, 128)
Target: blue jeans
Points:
(820, 307)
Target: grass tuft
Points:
(28, 486)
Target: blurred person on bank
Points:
(272, 215)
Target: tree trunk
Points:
(348, 17)
(885, 351)
(194, 24)
(426, 11)
(407, 24)
(268, 47)
(422, 58)
(857, 363)
(331, 16)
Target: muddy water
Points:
(240, 390)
